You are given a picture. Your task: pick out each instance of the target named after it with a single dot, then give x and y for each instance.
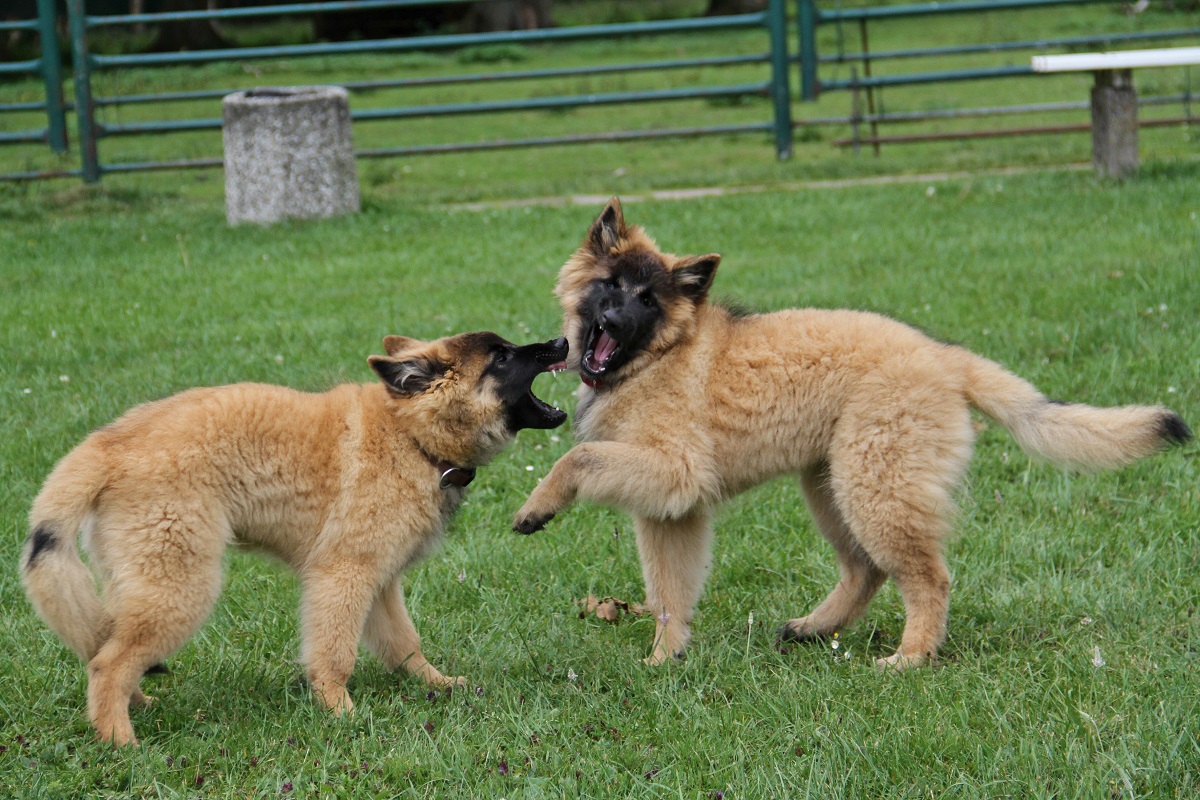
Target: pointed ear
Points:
(608, 229)
(407, 376)
(694, 275)
(398, 344)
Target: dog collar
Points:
(454, 476)
(450, 475)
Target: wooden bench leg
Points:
(1114, 124)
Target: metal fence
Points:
(810, 20)
(772, 22)
(811, 25)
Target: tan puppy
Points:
(687, 403)
(348, 487)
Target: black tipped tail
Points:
(1173, 429)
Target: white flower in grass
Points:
(529, 468)
(462, 575)
(1097, 659)
(664, 617)
(835, 644)
(571, 676)
(64, 378)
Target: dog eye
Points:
(503, 357)
(611, 283)
(647, 299)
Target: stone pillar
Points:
(288, 154)
(1114, 124)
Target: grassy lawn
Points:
(1071, 667)
(113, 297)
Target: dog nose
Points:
(560, 343)
(611, 317)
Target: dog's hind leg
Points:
(170, 582)
(391, 636)
(860, 577)
(892, 474)
(675, 559)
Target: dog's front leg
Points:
(645, 481)
(334, 608)
(391, 636)
(675, 560)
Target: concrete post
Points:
(288, 154)
(1114, 124)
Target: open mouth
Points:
(536, 412)
(600, 350)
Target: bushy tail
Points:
(1069, 434)
(60, 586)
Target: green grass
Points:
(113, 296)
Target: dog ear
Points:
(608, 229)
(407, 376)
(694, 275)
(394, 345)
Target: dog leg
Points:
(925, 588)
(155, 608)
(390, 635)
(675, 558)
(892, 474)
(644, 481)
(333, 614)
(860, 577)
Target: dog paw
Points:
(530, 523)
(897, 663)
(441, 681)
(795, 630)
(658, 659)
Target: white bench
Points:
(1114, 100)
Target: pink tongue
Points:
(605, 347)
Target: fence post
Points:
(51, 67)
(806, 21)
(780, 93)
(85, 109)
